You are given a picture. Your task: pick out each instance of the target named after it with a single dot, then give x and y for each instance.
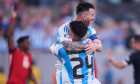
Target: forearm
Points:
(11, 28)
(119, 65)
(73, 46)
(10, 34)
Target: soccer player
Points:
(19, 58)
(77, 67)
(134, 58)
(85, 13)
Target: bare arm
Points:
(11, 30)
(99, 45)
(73, 46)
(119, 65)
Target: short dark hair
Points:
(78, 28)
(21, 39)
(83, 6)
(137, 38)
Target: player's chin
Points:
(28, 48)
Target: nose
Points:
(93, 17)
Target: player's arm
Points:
(96, 45)
(68, 44)
(11, 29)
(119, 65)
(55, 48)
(32, 77)
(52, 49)
(73, 46)
(99, 45)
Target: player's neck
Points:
(23, 50)
(78, 19)
(77, 39)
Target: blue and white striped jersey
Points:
(62, 33)
(77, 68)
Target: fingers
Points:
(89, 51)
(90, 41)
(90, 48)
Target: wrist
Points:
(111, 60)
(12, 20)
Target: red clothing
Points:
(95, 67)
(20, 64)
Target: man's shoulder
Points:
(91, 29)
(135, 53)
(65, 24)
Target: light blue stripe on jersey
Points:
(89, 31)
(84, 69)
(63, 54)
(60, 77)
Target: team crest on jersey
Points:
(26, 62)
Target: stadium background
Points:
(116, 21)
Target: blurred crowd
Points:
(41, 23)
(40, 19)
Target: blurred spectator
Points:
(134, 59)
(107, 35)
(66, 13)
(108, 74)
(129, 34)
(119, 37)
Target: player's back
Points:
(77, 68)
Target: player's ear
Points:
(73, 36)
(83, 16)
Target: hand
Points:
(13, 12)
(97, 41)
(109, 54)
(50, 49)
(90, 47)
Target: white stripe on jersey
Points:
(78, 70)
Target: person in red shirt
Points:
(20, 59)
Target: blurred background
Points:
(116, 22)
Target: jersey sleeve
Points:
(92, 33)
(62, 34)
(128, 60)
(55, 48)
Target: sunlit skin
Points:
(89, 16)
(135, 45)
(86, 16)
